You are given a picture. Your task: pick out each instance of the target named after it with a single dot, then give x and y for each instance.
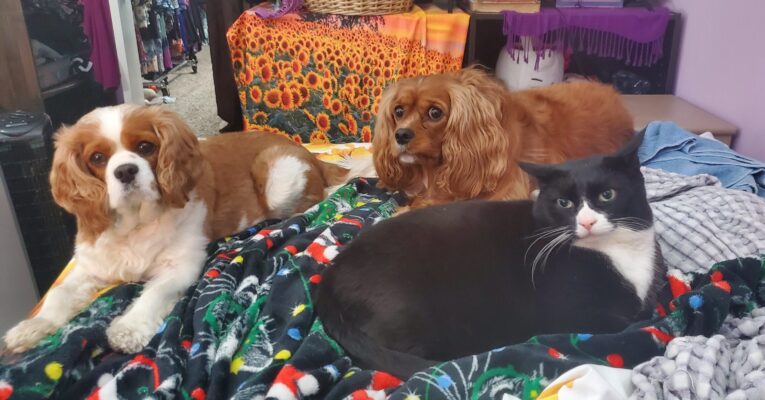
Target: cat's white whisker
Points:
(545, 252)
(536, 261)
(631, 223)
(631, 219)
(557, 242)
(545, 233)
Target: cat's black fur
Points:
(453, 280)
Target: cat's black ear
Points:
(630, 150)
(542, 173)
(628, 155)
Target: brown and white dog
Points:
(148, 197)
(458, 136)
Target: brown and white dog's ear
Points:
(75, 189)
(179, 163)
(474, 149)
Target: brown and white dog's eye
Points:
(98, 159)
(435, 112)
(398, 112)
(145, 148)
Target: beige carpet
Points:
(195, 96)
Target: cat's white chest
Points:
(632, 254)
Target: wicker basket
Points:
(358, 7)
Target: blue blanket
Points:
(667, 146)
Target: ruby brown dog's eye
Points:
(145, 148)
(435, 113)
(398, 112)
(98, 158)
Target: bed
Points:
(247, 329)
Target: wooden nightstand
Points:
(667, 107)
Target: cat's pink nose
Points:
(587, 222)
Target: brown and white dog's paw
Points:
(26, 334)
(129, 335)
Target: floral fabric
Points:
(318, 78)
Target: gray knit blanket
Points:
(699, 223)
(728, 366)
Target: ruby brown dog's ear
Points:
(75, 189)
(386, 164)
(474, 149)
(179, 163)
(391, 172)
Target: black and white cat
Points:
(448, 281)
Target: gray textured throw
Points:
(728, 366)
(699, 223)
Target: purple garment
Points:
(97, 24)
(166, 56)
(274, 12)
(633, 34)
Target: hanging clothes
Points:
(97, 24)
(166, 25)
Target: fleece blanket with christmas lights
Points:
(247, 329)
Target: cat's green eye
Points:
(607, 195)
(564, 203)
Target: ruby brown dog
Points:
(459, 136)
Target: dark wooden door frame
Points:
(19, 88)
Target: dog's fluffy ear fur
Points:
(391, 172)
(475, 145)
(178, 166)
(75, 189)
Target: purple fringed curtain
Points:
(633, 34)
(286, 6)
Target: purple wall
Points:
(721, 65)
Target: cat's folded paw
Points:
(26, 334)
(130, 335)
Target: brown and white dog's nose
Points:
(404, 136)
(126, 172)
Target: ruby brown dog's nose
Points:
(126, 173)
(404, 136)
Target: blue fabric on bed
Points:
(667, 146)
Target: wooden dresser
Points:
(667, 107)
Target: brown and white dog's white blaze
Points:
(148, 197)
